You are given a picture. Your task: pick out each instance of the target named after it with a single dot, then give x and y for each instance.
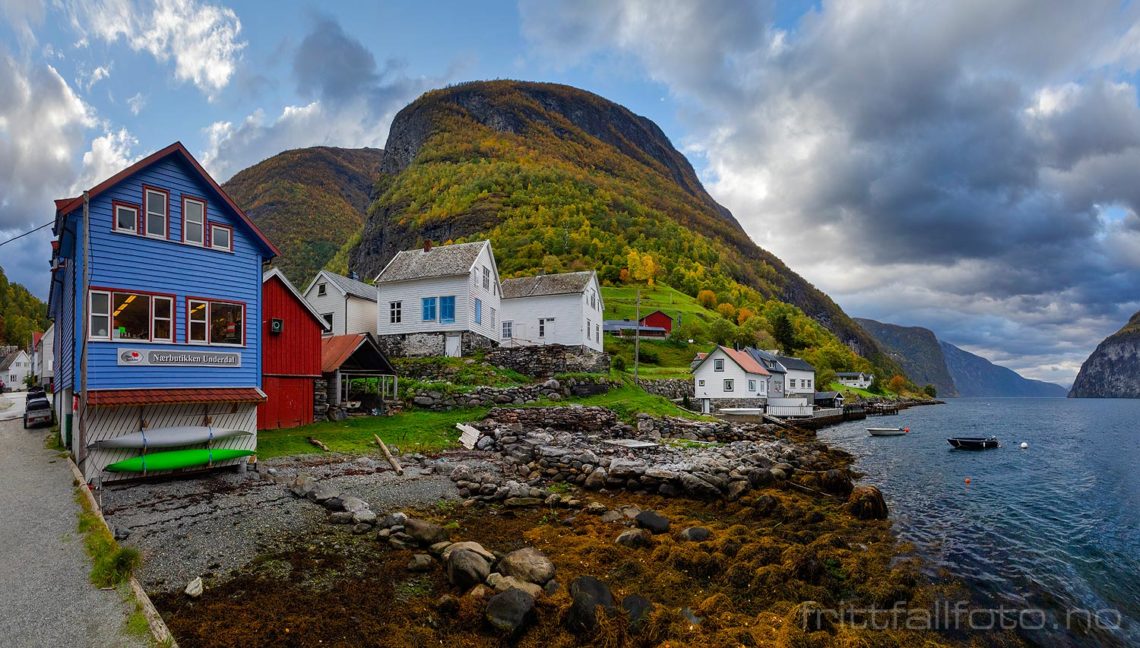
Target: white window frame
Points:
(542, 326)
(751, 385)
(147, 193)
(322, 289)
(186, 222)
(729, 385)
(494, 315)
(134, 228)
(718, 364)
(396, 312)
(486, 278)
(209, 312)
(215, 227)
(91, 314)
(328, 318)
(190, 321)
(701, 382)
(508, 331)
(478, 311)
(154, 318)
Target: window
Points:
(544, 325)
(197, 317)
(751, 385)
(791, 383)
(193, 221)
(322, 290)
(486, 279)
(427, 307)
(478, 311)
(592, 306)
(130, 319)
(328, 318)
(157, 204)
(589, 327)
(493, 314)
(808, 385)
(728, 384)
(221, 237)
(763, 387)
(126, 219)
(718, 364)
(395, 312)
(700, 383)
(226, 323)
(447, 310)
(508, 329)
(162, 324)
(100, 316)
(598, 332)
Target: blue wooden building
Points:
(156, 298)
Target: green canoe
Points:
(176, 459)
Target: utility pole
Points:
(637, 338)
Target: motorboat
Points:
(973, 443)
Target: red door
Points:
(289, 403)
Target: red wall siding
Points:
(658, 319)
(296, 351)
(289, 403)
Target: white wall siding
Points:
(490, 296)
(361, 316)
(331, 302)
(801, 388)
(572, 316)
(410, 295)
(714, 380)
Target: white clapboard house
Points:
(553, 309)
(858, 379)
(345, 304)
(729, 378)
(439, 300)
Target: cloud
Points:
(353, 101)
(136, 103)
(941, 165)
(87, 80)
(202, 39)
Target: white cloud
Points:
(137, 103)
(87, 80)
(202, 39)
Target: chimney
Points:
(427, 245)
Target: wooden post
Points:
(637, 338)
(388, 455)
(317, 442)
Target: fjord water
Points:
(1053, 527)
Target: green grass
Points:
(412, 431)
(672, 359)
(629, 401)
(111, 564)
(621, 303)
(458, 371)
(862, 393)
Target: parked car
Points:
(2, 386)
(38, 412)
(35, 393)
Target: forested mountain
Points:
(21, 314)
(917, 350)
(561, 179)
(1113, 369)
(309, 202)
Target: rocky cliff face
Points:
(1113, 369)
(975, 376)
(917, 350)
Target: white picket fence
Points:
(802, 411)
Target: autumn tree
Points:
(727, 311)
(722, 331)
(707, 298)
(897, 383)
(743, 314)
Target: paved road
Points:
(15, 402)
(46, 598)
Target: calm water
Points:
(1055, 527)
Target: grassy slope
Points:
(621, 303)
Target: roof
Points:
(336, 350)
(629, 325)
(656, 312)
(551, 284)
(132, 397)
(741, 358)
(346, 285)
(275, 272)
(7, 359)
(851, 374)
(829, 395)
(67, 205)
(439, 261)
(795, 364)
(36, 337)
(767, 359)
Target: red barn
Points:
(291, 360)
(657, 318)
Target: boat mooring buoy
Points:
(1024, 445)
(967, 481)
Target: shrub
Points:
(617, 363)
(648, 355)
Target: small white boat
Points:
(887, 431)
(170, 437)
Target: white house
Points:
(347, 305)
(14, 368)
(729, 378)
(855, 379)
(799, 382)
(553, 309)
(43, 357)
(441, 300)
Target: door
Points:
(453, 345)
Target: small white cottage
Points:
(345, 304)
(553, 309)
(438, 301)
(729, 378)
(14, 367)
(856, 379)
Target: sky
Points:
(968, 166)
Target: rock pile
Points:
(555, 390)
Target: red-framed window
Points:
(221, 237)
(215, 322)
(156, 212)
(194, 220)
(125, 217)
(117, 314)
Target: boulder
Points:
(521, 502)
(837, 482)
(586, 594)
(511, 610)
(467, 569)
(765, 505)
(502, 583)
(596, 479)
(652, 522)
(340, 517)
(333, 504)
(420, 563)
(612, 516)
(698, 487)
(595, 508)
(635, 538)
(445, 553)
(303, 485)
(528, 564)
(424, 532)
(194, 588)
(867, 503)
(447, 604)
(354, 504)
(695, 534)
(322, 493)
(364, 517)
(637, 609)
(736, 489)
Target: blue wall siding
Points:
(133, 262)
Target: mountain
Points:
(21, 314)
(976, 376)
(917, 350)
(309, 202)
(1113, 369)
(561, 179)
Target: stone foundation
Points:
(320, 399)
(554, 390)
(550, 359)
(724, 403)
(671, 388)
(420, 345)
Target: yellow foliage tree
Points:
(897, 383)
(727, 311)
(707, 298)
(744, 314)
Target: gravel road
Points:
(45, 595)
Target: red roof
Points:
(745, 361)
(338, 348)
(69, 205)
(128, 397)
(36, 337)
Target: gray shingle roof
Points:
(441, 261)
(553, 284)
(767, 359)
(795, 363)
(352, 286)
(6, 359)
(609, 326)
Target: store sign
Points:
(164, 358)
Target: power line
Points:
(32, 231)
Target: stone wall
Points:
(419, 345)
(724, 403)
(550, 359)
(671, 388)
(320, 399)
(555, 390)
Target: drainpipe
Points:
(84, 323)
(346, 313)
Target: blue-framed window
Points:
(428, 309)
(447, 310)
(478, 311)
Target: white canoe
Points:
(170, 437)
(883, 431)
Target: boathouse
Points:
(291, 331)
(156, 298)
